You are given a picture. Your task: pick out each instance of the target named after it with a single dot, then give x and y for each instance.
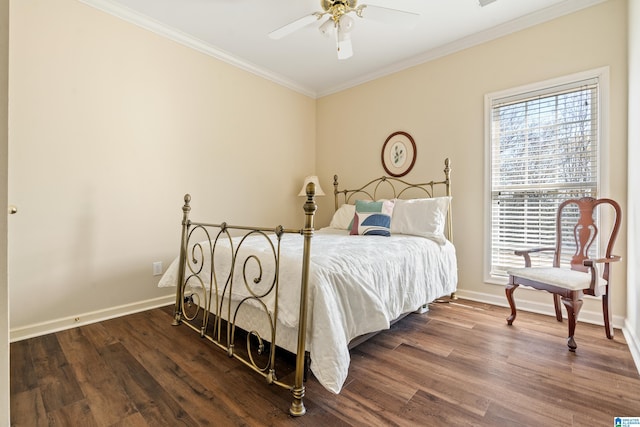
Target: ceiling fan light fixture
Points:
(340, 21)
(345, 24)
(327, 28)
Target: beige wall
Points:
(105, 118)
(110, 125)
(441, 104)
(633, 208)
(4, 292)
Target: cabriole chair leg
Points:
(509, 292)
(573, 306)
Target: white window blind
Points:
(544, 150)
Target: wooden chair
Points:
(570, 284)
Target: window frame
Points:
(602, 75)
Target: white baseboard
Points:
(56, 325)
(631, 335)
(593, 317)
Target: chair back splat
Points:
(585, 230)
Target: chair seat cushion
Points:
(560, 277)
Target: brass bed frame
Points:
(395, 188)
(215, 317)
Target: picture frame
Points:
(398, 154)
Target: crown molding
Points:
(539, 17)
(184, 39)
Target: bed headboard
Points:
(396, 188)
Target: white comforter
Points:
(357, 285)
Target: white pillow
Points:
(421, 217)
(343, 217)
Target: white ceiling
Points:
(237, 31)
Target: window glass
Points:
(543, 149)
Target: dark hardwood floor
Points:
(458, 365)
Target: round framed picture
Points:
(398, 154)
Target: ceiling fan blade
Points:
(294, 26)
(345, 48)
(390, 16)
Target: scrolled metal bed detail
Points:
(264, 283)
(189, 307)
(398, 188)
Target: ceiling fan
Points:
(340, 23)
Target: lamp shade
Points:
(314, 179)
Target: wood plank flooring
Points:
(459, 364)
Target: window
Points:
(543, 147)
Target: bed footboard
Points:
(212, 300)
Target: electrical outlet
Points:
(157, 268)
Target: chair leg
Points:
(606, 312)
(556, 305)
(509, 292)
(573, 306)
